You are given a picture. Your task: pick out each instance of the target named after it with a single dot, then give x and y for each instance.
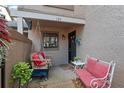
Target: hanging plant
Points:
(4, 34)
(4, 45)
(4, 41)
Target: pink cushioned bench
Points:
(96, 73)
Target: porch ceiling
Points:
(46, 23)
(40, 16)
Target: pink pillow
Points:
(38, 63)
(91, 62)
(100, 70)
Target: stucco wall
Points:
(19, 51)
(54, 11)
(60, 55)
(103, 37)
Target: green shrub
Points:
(22, 72)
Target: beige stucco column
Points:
(20, 25)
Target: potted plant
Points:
(77, 59)
(22, 73)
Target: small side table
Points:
(78, 64)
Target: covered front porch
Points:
(58, 43)
(63, 50)
(35, 43)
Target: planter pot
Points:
(77, 61)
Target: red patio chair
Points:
(39, 65)
(39, 59)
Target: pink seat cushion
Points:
(100, 70)
(96, 67)
(87, 77)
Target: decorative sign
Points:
(78, 40)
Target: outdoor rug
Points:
(74, 83)
(57, 84)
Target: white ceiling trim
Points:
(46, 17)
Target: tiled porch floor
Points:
(57, 75)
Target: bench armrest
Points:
(95, 82)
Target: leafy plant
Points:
(5, 39)
(22, 72)
(77, 58)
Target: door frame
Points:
(69, 46)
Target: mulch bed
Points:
(78, 83)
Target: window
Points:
(50, 40)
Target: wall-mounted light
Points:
(63, 37)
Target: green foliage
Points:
(22, 71)
(5, 39)
(77, 58)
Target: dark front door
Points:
(72, 45)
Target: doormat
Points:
(67, 67)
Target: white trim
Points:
(20, 25)
(46, 17)
(112, 71)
